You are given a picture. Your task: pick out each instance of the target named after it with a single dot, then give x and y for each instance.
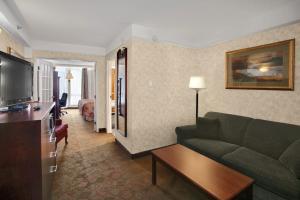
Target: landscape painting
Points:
(268, 66)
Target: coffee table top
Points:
(218, 180)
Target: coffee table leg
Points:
(153, 170)
(249, 193)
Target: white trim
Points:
(124, 36)
(10, 23)
(71, 66)
(109, 66)
(70, 48)
(97, 101)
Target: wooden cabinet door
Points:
(48, 154)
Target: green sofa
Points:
(267, 151)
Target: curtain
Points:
(84, 84)
(91, 80)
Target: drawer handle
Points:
(52, 139)
(53, 154)
(53, 169)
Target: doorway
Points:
(71, 83)
(76, 80)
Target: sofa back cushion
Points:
(270, 138)
(232, 127)
(291, 158)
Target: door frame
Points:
(109, 66)
(36, 85)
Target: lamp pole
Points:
(69, 92)
(197, 97)
(69, 76)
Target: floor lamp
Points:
(69, 77)
(197, 83)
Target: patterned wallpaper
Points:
(273, 105)
(6, 40)
(160, 100)
(158, 95)
(100, 69)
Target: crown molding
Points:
(12, 25)
(70, 48)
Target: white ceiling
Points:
(187, 22)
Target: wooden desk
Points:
(219, 181)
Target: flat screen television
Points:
(16, 80)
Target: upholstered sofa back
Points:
(270, 138)
(266, 137)
(233, 127)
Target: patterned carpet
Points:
(93, 167)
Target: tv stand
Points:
(27, 152)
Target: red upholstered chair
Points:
(61, 131)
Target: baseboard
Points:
(140, 154)
(102, 130)
(123, 148)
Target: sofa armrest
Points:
(186, 132)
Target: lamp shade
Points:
(69, 75)
(197, 82)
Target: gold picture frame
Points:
(269, 66)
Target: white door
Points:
(44, 80)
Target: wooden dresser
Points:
(27, 153)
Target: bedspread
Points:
(86, 109)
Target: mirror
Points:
(122, 91)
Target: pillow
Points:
(208, 128)
(291, 158)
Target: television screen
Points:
(16, 80)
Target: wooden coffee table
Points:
(218, 180)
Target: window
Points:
(74, 88)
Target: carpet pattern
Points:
(93, 167)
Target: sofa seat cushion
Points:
(211, 148)
(268, 173)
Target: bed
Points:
(86, 109)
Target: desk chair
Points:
(63, 103)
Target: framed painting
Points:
(269, 66)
